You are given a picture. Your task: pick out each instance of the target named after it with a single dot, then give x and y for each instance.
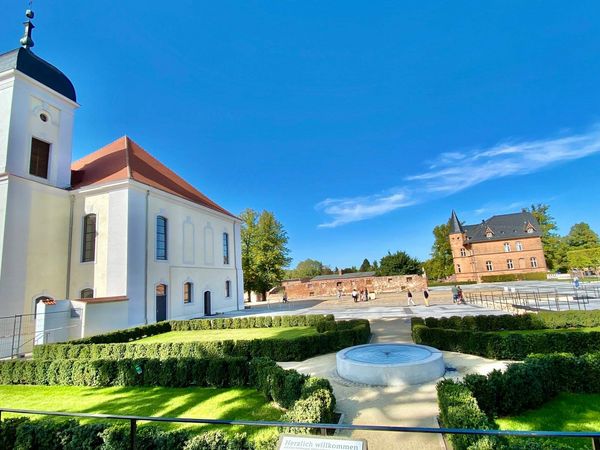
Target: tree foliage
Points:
(306, 269)
(365, 266)
(264, 251)
(585, 258)
(582, 236)
(554, 249)
(399, 263)
(441, 264)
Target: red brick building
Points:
(500, 245)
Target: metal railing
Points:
(535, 300)
(133, 422)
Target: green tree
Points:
(585, 258)
(264, 251)
(555, 251)
(399, 263)
(307, 269)
(581, 236)
(441, 264)
(365, 266)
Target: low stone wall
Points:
(306, 288)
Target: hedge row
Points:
(506, 346)
(341, 335)
(475, 402)
(131, 334)
(52, 434)
(171, 372)
(546, 319)
(536, 276)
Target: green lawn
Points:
(206, 403)
(567, 412)
(549, 330)
(235, 334)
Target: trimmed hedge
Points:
(541, 320)
(536, 276)
(171, 372)
(132, 334)
(338, 335)
(474, 402)
(476, 335)
(60, 434)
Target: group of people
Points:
(357, 296)
(457, 295)
(410, 301)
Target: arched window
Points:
(506, 247)
(463, 252)
(86, 293)
(188, 292)
(88, 253)
(228, 289)
(161, 238)
(225, 248)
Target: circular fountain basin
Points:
(390, 364)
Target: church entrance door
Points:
(207, 310)
(161, 302)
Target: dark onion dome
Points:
(23, 60)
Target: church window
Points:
(463, 252)
(225, 248)
(161, 238)
(519, 247)
(509, 264)
(228, 289)
(506, 247)
(534, 262)
(40, 154)
(89, 238)
(489, 266)
(188, 292)
(86, 293)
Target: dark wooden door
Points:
(161, 302)
(207, 310)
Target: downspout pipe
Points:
(146, 261)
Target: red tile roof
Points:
(124, 159)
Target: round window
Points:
(43, 117)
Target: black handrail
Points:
(465, 431)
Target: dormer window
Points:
(38, 161)
(529, 228)
(489, 233)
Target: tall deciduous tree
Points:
(581, 236)
(441, 264)
(399, 263)
(264, 251)
(554, 249)
(307, 269)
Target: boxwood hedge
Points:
(478, 334)
(478, 399)
(333, 336)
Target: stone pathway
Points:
(400, 406)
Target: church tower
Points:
(37, 105)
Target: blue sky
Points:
(361, 125)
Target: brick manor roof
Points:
(124, 159)
(502, 227)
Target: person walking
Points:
(355, 295)
(409, 297)
(461, 299)
(366, 295)
(339, 293)
(284, 299)
(426, 297)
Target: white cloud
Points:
(453, 172)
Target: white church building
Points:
(118, 235)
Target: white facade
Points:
(42, 224)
